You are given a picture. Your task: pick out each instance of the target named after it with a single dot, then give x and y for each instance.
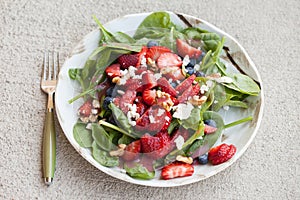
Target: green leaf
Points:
(103, 157)
(124, 38)
(102, 138)
(75, 73)
(106, 36)
(243, 84)
(155, 20)
(139, 172)
(125, 140)
(238, 104)
(82, 135)
(209, 140)
(174, 123)
(193, 121)
(220, 97)
(122, 120)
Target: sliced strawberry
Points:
(196, 89)
(221, 153)
(140, 108)
(117, 100)
(185, 84)
(133, 84)
(127, 98)
(184, 97)
(174, 73)
(85, 109)
(166, 86)
(155, 51)
(132, 151)
(148, 81)
(156, 118)
(209, 129)
(184, 49)
(169, 60)
(156, 146)
(127, 60)
(149, 97)
(177, 169)
(175, 100)
(141, 54)
(113, 70)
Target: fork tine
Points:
(55, 65)
(50, 66)
(44, 65)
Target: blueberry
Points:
(109, 91)
(199, 59)
(173, 84)
(189, 70)
(203, 159)
(200, 74)
(192, 63)
(210, 122)
(152, 43)
(106, 102)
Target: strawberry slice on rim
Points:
(177, 169)
(184, 49)
(169, 60)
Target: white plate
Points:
(241, 136)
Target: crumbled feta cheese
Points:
(203, 89)
(226, 108)
(183, 111)
(157, 76)
(143, 61)
(122, 80)
(151, 119)
(170, 80)
(209, 83)
(215, 101)
(197, 67)
(131, 71)
(131, 122)
(186, 60)
(96, 103)
(89, 126)
(160, 112)
(123, 72)
(120, 92)
(179, 141)
(94, 111)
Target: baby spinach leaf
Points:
(193, 121)
(194, 147)
(209, 140)
(153, 21)
(124, 38)
(82, 135)
(174, 123)
(101, 137)
(125, 140)
(220, 97)
(75, 73)
(122, 120)
(106, 36)
(139, 172)
(103, 157)
(234, 103)
(243, 84)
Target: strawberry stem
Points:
(238, 122)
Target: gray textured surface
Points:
(269, 31)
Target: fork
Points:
(48, 85)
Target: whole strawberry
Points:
(221, 153)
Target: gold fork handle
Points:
(49, 147)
